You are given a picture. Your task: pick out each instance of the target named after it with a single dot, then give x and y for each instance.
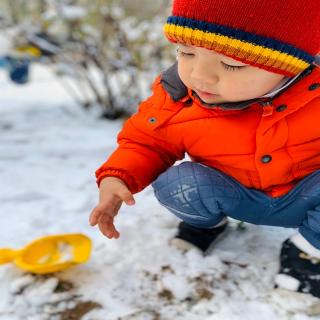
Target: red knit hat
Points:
(281, 36)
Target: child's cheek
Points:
(184, 72)
(237, 92)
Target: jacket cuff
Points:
(118, 173)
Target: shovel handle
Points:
(8, 255)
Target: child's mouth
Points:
(205, 94)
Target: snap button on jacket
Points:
(233, 141)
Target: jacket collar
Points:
(301, 92)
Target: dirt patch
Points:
(63, 291)
(166, 294)
(63, 286)
(79, 310)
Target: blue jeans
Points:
(203, 196)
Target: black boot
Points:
(189, 237)
(298, 271)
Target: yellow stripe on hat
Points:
(257, 55)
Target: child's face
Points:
(205, 70)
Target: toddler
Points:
(243, 101)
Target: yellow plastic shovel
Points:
(50, 254)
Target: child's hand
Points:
(113, 192)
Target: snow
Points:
(5, 44)
(69, 12)
(287, 282)
(73, 12)
(50, 149)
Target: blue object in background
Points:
(18, 69)
(3, 62)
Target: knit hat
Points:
(281, 36)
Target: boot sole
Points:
(185, 246)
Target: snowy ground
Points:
(49, 152)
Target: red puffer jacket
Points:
(267, 145)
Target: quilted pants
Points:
(203, 196)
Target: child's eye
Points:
(232, 68)
(184, 53)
